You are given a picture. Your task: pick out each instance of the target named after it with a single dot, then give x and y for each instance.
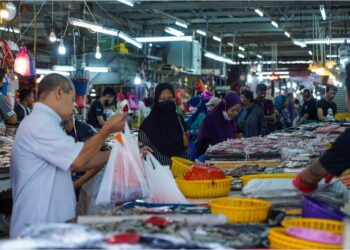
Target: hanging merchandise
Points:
(344, 54)
(162, 184)
(133, 105)
(124, 178)
(6, 56)
(80, 86)
(24, 64)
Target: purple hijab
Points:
(215, 128)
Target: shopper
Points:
(266, 105)
(293, 113)
(282, 116)
(326, 108)
(333, 162)
(213, 102)
(251, 121)
(308, 112)
(219, 125)
(164, 130)
(7, 115)
(96, 116)
(25, 104)
(43, 156)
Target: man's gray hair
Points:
(50, 82)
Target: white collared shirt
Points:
(42, 154)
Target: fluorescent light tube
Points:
(287, 34)
(103, 30)
(49, 71)
(324, 41)
(127, 2)
(310, 52)
(332, 56)
(201, 32)
(240, 55)
(230, 44)
(300, 43)
(9, 29)
(98, 69)
(164, 39)
(259, 12)
(63, 68)
(275, 72)
(181, 24)
(259, 56)
(218, 39)
(274, 24)
(218, 58)
(241, 48)
(323, 12)
(173, 31)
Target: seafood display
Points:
(5, 151)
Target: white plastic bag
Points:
(124, 178)
(161, 183)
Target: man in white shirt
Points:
(43, 157)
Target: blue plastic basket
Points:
(80, 86)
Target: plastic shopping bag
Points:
(161, 183)
(124, 178)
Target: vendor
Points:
(24, 105)
(7, 115)
(43, 156)
(219, 125)
(333, 162)
(326, 106)
(163, 130)
(308, 109)
(266, 105)
(96, 116)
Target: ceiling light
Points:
(9, 29)
(61, 48)
(4, 14)
(181, 24)
(137, 80)
(310, 52)
(299, 43)
(274, 24)
(275, 72)
(332, 56)
(103, 30)
(49, 71)
(259, 12)
(63, 68)
(240, 55)
(322, 41)
(218, 58)
(173, 31)
(127, 2)
(164, 39)
(287, 34)
(259, 56)
(323, 12)
(98, 54)
(98, 69)
(52, 37)
(241, 48)
(201, 32)
(230, 44)
(218, 39)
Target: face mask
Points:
(167, 106)
(226, 117)
(106, 103)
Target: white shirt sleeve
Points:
(52, 144)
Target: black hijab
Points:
(163, 128)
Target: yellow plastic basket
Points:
(246, 178)
(342, 116)
(205, 189)
(241, 210)
(331, 226)
(280, 240)
(179, 166)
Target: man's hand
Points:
(145, 150)
(115, 124)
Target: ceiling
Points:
(234, 21)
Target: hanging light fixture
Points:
(62, 48)
(22, 62)
(52, 37)
(98, 54)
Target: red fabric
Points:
(299, 185)
(199, 172)
(158, 221)
(126, 238)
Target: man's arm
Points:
(320, 115)
(303, 119)
(12, 120)
(311, 176)
(93, 145)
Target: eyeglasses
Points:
(166, 99)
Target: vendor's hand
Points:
(301, 186)
(145, 150)
(116, 123)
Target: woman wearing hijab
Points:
(164, 131)
(219, 125)
(282, 116)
